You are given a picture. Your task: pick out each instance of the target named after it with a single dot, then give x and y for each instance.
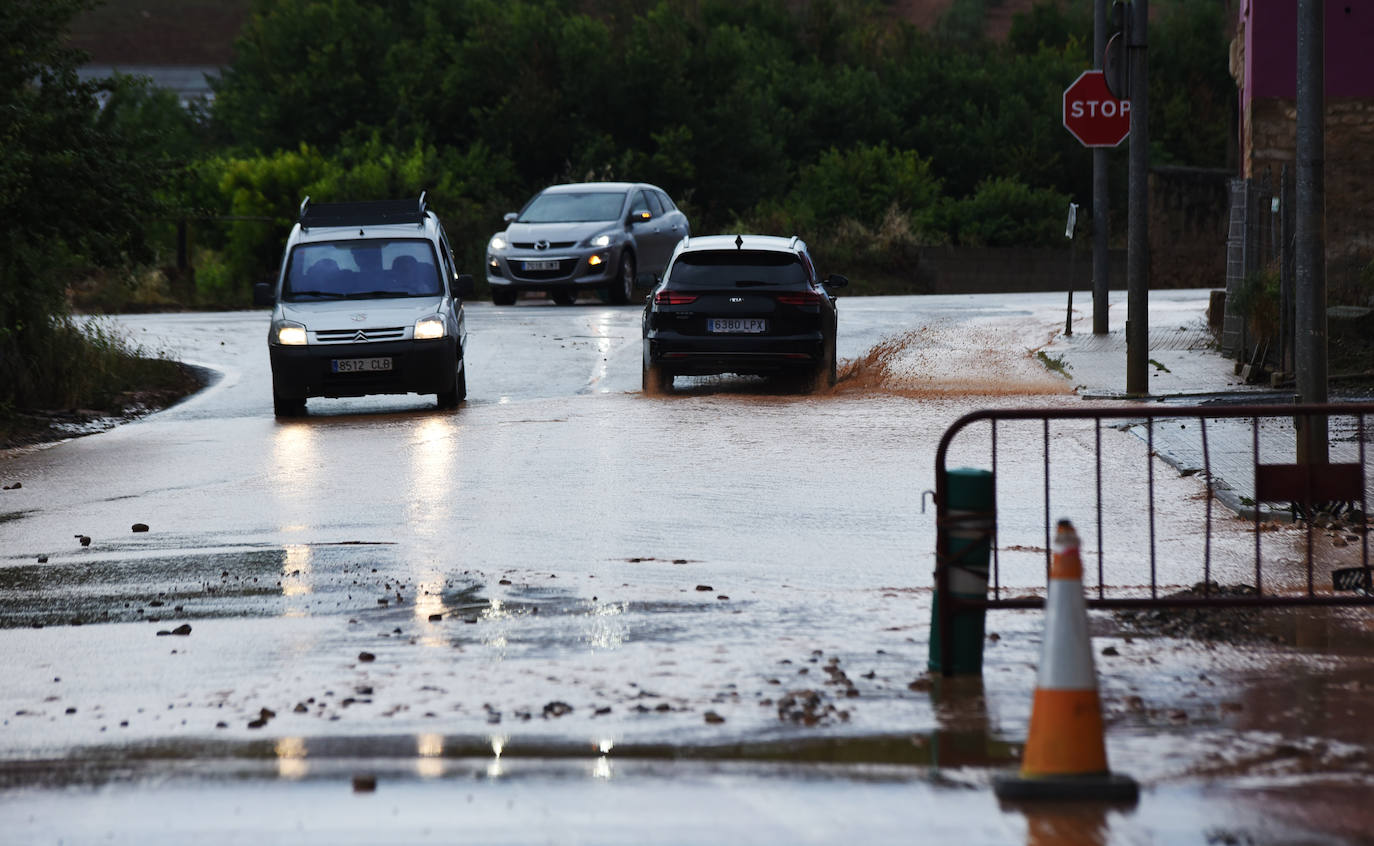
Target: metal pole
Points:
(1071, 232)
(1310, 239)
(1137, 223)
(1286, 270)
(1068, 316)
(1101, 263)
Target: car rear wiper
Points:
(752, 283)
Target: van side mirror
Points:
(835, 280)
(465, 287)
(263, 295)
(510, 217)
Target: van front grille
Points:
(361, 336)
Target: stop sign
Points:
(1093, 115)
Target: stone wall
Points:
(1271, 127)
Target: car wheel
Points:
(623, 288)
(502, 296)
(564, 296)
(287, 406)
(450, 399)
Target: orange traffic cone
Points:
(1065, 756)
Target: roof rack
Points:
(792, 245)
(373, 213)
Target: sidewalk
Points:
(1186, 371)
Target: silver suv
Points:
(589, 235)
(367, 301)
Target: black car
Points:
(746, 304)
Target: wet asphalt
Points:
(567, 612)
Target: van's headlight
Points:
(429, 328)
(290, 334)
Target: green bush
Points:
(864, 184)
(1005, 212)
(88, 365)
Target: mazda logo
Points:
(737, 299)
(541, 245)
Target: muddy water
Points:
(731, 572)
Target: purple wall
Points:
(1271, 48)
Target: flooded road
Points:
(567, 612)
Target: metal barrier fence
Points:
(1334, 487)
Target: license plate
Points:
(361, 365)
(540, 265)
(737, 325)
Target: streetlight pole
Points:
(1101, 264)
(1138, 224)
(1310, 366)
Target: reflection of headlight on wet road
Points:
(602, 768)
(296, 576)
(494, 768)
(429, 749)
(433, 455)
(291, 763)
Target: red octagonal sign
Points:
(1093, 115)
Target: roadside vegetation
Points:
(825, 118)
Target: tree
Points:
(72, 188)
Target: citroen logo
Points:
(737, 299)
(541, 245)
(361, 336)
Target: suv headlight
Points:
(602, 240)
(429, 328)
(289, 334)
(498, 243)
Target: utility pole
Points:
(1310, 239)
(1137, 222)
(1101, 264)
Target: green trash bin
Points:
(971, 516)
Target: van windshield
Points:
(359, 270)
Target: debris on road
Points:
(557, 709)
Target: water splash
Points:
(944, 361)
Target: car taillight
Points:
(673, 298)
(808, 298)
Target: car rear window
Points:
(574, 207)
(336, 270)
(737, 269)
